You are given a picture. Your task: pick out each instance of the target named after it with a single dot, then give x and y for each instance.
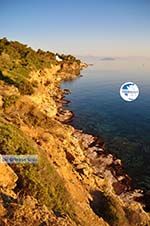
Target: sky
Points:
(110, 28)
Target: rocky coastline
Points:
(104, 164)
(76, 182)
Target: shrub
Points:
(9, 100)
(40, 179)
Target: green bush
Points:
(39, 179)
(18, 60)
(9, 100)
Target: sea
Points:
(100, 110)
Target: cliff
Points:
(74, 182)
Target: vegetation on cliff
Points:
(18, 60)
(39, 180)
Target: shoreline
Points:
(95, 148)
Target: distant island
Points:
(108, 58)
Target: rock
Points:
(65, 115)
(119, 187)
(94, 152)
(85, 139)
(92, 155)
(84, 169)
(1, 101)
(130, 196)
(3, 211)
(66, 91)
(7, 176)
(64, 101)
(7, 180)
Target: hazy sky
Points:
(80, 27)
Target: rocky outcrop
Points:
(7, 179)
(70, 71)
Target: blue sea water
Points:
(99, 109)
